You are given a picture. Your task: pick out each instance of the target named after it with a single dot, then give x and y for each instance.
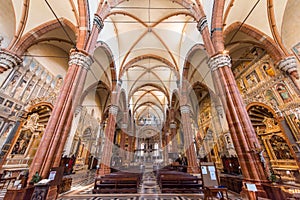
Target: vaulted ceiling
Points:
(146, 42)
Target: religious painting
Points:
(22, 143)
(284, 93)
(268, 69)
(252, 79)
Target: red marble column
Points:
(55, 135)
(124, 127)
(109, 141)
(123, 140)
(173, 135)
(131, 144)
(188, 139)
(241, 129)
(77, 94)
(52, 137)
(242, 132)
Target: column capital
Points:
(202, 23)
(98, 22)
(288, 64)
(113, 110)
(81, 59)
(185, 109)
(8, 60)
(218, 61)
(173, 125)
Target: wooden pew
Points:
(117, 183)
(179, 182)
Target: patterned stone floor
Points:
(149, 190)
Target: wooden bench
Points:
(179, 182)
(117, 183)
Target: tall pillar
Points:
(84, 60)
(49, 151)
(242, 131)
(174, 147)
(188, 139)
(123, 141)
(109, 141)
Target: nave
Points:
(148, 190)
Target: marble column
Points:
(188, 139)
(123, 141)
(49, 151)
(173, 135)
(243, 135)
(109, 141)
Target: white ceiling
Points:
(149, 40)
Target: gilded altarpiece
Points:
(271, 97)
(28, 138)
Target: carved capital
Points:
(289, 64)
(113, 110)
(202, 23)
(185, 109)
(80, 59)
(9, 60)
(98, 22)
(220, 60)
(172, 125)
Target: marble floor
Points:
(149, 190)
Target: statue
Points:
(270, 125)
(32, 122)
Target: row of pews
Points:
(178, 182)
(117, 182)
(169, 181)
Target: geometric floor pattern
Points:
(82, 190)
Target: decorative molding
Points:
(9, 60)
(185, 109)
(80, 59)
(202, 23)
(113, 110)
(218, 61)
(289, 64)
(98, 22)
